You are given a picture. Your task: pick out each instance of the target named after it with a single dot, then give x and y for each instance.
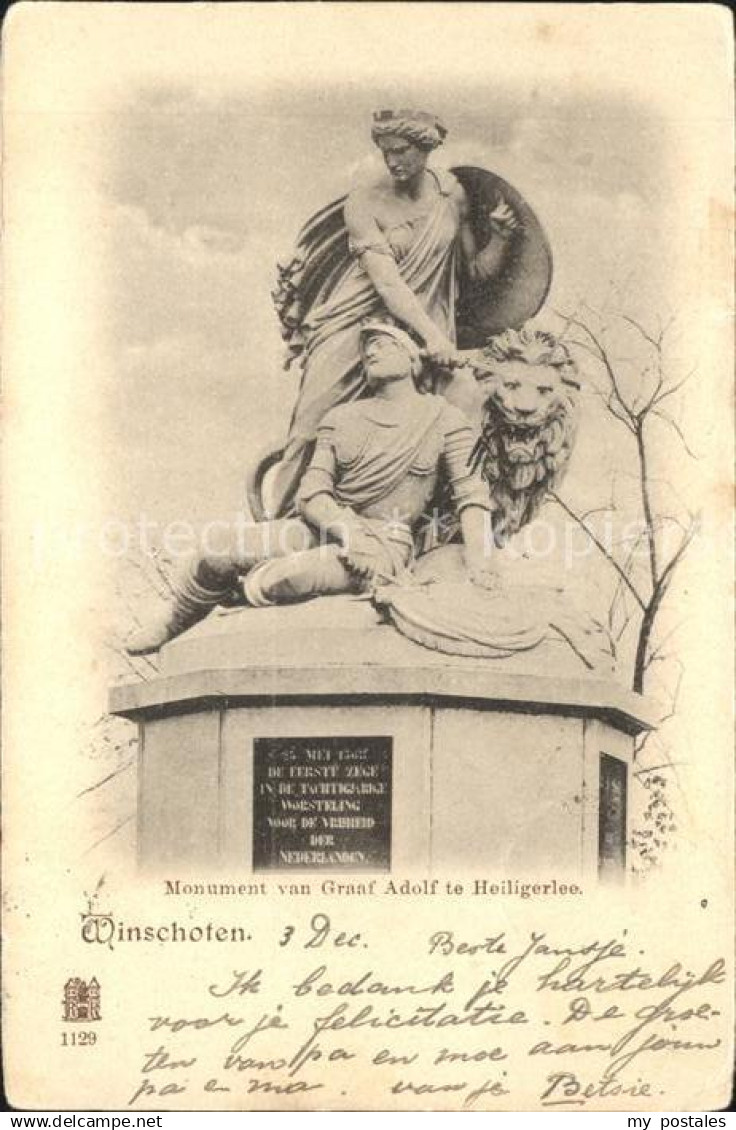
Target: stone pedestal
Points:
(316, 738)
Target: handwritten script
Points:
(588, 1022)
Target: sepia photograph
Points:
(369, 433)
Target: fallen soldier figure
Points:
(372, 477)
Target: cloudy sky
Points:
(202, 192)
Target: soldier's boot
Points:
(190, 603)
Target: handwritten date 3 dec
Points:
(551, 1009)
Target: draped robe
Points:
(325, 293)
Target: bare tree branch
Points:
(603, 357)
(677, 429)
(668, 763)
(596, 510)
(679, 552)
(153, 572)
(104, 781)
(672, 389)
(577, 650)
(599, 545)
(625, 621)
(128, 660)
(118, 827)
(656, 342)
(657, 653)
(588, 332)
(652, 608)
(163, 573)
(658, 768)
(646, 504)
(619, 596)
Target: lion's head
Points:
(529, 422)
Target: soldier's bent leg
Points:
(190, 602)
(208, 579)
(222, 566)
(300, 576)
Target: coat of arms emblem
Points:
(81, 1000)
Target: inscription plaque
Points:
(322, 803)
(612, 816)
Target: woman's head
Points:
(405, 137)
(424, 130)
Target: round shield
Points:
(517, 292)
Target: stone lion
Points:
(529, 392)
(529, 422)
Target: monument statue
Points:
(372, 476)
(407, 728)
(416, 245)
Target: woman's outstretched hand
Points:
(503, 219)
(482, 575)
(442, 351)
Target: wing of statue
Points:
(320, 259)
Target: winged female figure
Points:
(449, 255)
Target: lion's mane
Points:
(522, 463)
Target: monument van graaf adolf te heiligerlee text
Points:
(356, 681)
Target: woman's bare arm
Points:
(381, 269)
(484, 264)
